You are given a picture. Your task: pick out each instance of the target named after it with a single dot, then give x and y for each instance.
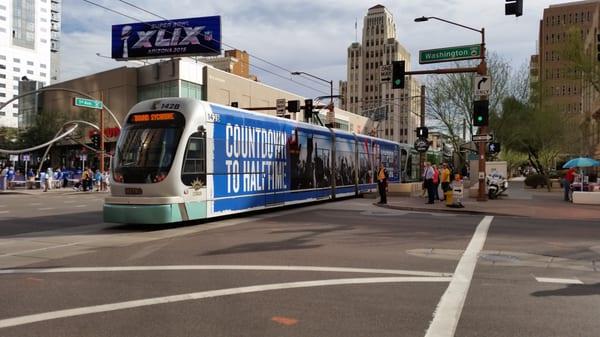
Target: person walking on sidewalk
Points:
(382, 177)
(567, 181)
(436, 182)
(428, 178)
(445, 179)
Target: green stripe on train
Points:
(143, 214)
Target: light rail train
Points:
(179, 159)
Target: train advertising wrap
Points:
(250, 156)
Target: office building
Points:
(29, 44)
(366, 94)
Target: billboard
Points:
(156, 39)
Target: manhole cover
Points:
(499, 258)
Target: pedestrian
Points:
(567, 180)
(382, 177)
(428, 178)
(98, 180)
(30, 178)
(84, 179)
(43, 181)
(104, 185)
(445, 179)
(436, 182)
(49, 177)
(3, 177)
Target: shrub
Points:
(535, 180)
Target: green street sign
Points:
(450, 54)
(87, 103)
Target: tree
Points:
(450, 99)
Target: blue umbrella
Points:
(581, 162)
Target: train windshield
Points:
(146, 147)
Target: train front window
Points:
(146, 149)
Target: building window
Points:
(16, 78)
(43, 74)
(164, 89)
(43, 40)
(2, 94)
(15, 69)
(43, 66)
(16, 60)
(23, 29)
(30, 72)
(2, 76)
(15, 114)
(2, 85)
(2, 113)
(29, 63)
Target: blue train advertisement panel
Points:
(260, 161)
(180, 37)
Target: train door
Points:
(193, 176)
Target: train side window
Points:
(194, 163)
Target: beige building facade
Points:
(366, 94)
(121, 88)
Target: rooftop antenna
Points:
(356, 29)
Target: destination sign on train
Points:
(152, 117)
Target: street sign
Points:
(482, 138)
(280, 103)
(385, 73)
(450, 54)
(482, 85)
(14, 157)
(421, 145)
(87, 103)
(25, 157)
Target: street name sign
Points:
(450, 54)
(482, 85)
(280, 103)
(385, 73)
(87, 103)
(482, 138)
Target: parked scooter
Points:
(496, 184)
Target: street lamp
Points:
(318, 78)
(482, 70)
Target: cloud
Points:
(303, 35)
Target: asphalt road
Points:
(347, 268)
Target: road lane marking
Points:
(558, 280)
(42, 249)
(4, 212)
(46, 208)
(35, 203)
(21, 320)
(70, 201)
(284, 320)
(78, 206)
(223, 267)
(449, 309)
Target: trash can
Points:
(449, 199)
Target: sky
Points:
(303, 35)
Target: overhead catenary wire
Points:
(242, 61)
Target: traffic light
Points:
(481, 114)
(422, 132)
(308, 109)
(513, 7)
(398, 74)
(293, 106)
(493, 148)
(96, 140)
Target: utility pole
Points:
(102, 133)
(422, 124)
(481, 195)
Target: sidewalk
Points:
(66, 190)
(518, 201)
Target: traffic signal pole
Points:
(422, 124)
(481, 195)
(102, 133)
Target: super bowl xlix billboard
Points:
(181, 37)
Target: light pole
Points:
(321, 79)
(482, 70)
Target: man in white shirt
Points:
(428, 178)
